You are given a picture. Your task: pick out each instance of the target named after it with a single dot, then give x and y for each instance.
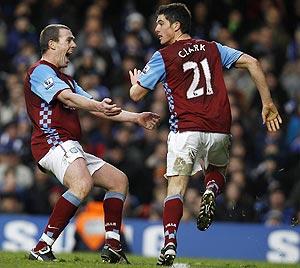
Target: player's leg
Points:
(214, 182)
(215, 161)
(116, 184)
(182, 150)
(69, 166)
(172, 214)
(215, 178)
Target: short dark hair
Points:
(177, 12)
(50, 32)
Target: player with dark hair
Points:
(52, 99)
(200, 117)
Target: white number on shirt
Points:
(193, 91)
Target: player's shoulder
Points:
(40, 68)
(204, 42)
(157, 55)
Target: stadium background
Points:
(115, 36)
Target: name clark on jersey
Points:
(187, 51)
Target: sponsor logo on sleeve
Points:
(146, 69)
(48, 83)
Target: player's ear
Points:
(52, 44)
(176, 26)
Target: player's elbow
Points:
(137, 92)
(66, 97)
(134, 95)
(251, 62)
(254, 62)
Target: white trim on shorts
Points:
(57, 160)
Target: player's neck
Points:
(49, 59)
(182, 36)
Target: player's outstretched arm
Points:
(147, 120)
(73, 100)
(270, 113)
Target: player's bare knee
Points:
(82, 188)
(120, 183)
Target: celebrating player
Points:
(52, 99)
(200, 117)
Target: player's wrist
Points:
(268, 102)
(134, 118)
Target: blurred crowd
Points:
(115, 36)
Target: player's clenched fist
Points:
(109, 108)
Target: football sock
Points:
(113, 208)
(63, 211)
(215, 181)
(173, 211)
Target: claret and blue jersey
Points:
(192, 77)
(53, 122)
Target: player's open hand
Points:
(134, 75)
(109, 108)
(148, 120)
(271, 117)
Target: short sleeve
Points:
(228, 55)
(153, 73)
(45, 83)
(80, 91)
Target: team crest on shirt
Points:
(146, 69)
(48, 83)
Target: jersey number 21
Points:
(193, 91)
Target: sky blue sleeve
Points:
(228, 55)
(154, 72)
(80, 91)
(45, 83)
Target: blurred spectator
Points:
(192, 202)
(119, 77)
(279, 95)
(10, 203)
(3, 29)
(15, 105)
(293, 49)
(25, 57)
(201, 23)
(235, 23)
(290, 78)
(42, 195)
(294, 197)
(9, 158)
(132, 45)
(22, 32)
(56, 12)
(119, 155)
(264, 175)
(135, 23)
(277, 211)
(293, 131)
(235, 205)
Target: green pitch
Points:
(92, 260)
